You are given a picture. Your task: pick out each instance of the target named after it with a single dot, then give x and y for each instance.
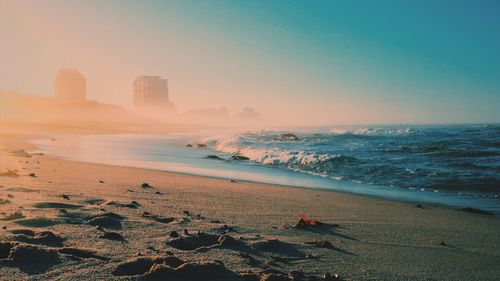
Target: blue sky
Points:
(336, 61)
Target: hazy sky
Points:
(304, 62)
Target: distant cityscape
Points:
(150, 95)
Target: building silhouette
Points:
(151, 92)
(70, 86)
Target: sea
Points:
(454, 165)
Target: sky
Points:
(296, 62)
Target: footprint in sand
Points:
(4, 201)
(37, 222)
(96, 201)
(28, 236)
(22, 189)
(82, 254)
(56, 205)
(13, 216)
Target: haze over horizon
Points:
(303, 63)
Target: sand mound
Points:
(134, 267)
(5, 248)
(274, 277)
(9, 173)
(13, 216)
(82, 253)
(106, 222)
(112, 236)
(277, 246)
(158, 218)
(44, 238)
(31, 254)
(132, 205)
(37, 222)
(194, 271)
(193, 242)
(109, 215)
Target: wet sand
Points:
(62, 220)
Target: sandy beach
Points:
(64, 220)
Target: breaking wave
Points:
(442, 158)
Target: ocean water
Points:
(453, 165)
(444, 158)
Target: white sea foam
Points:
(269, 156)
(373, 131)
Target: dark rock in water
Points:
(289, 137)
(189, 145)
(81, 253)
(5, 248)
(31, 254)
(477, 211)
(214, 157)
(202, 145)
(133, 267)
(239, 157)
(106, 222)
(274, 277)
(112, 236)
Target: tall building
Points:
(151, 92)
(70, 86)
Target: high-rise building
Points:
(151, 92)
(70, 86)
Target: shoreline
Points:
(371, 238)
(446, 198)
